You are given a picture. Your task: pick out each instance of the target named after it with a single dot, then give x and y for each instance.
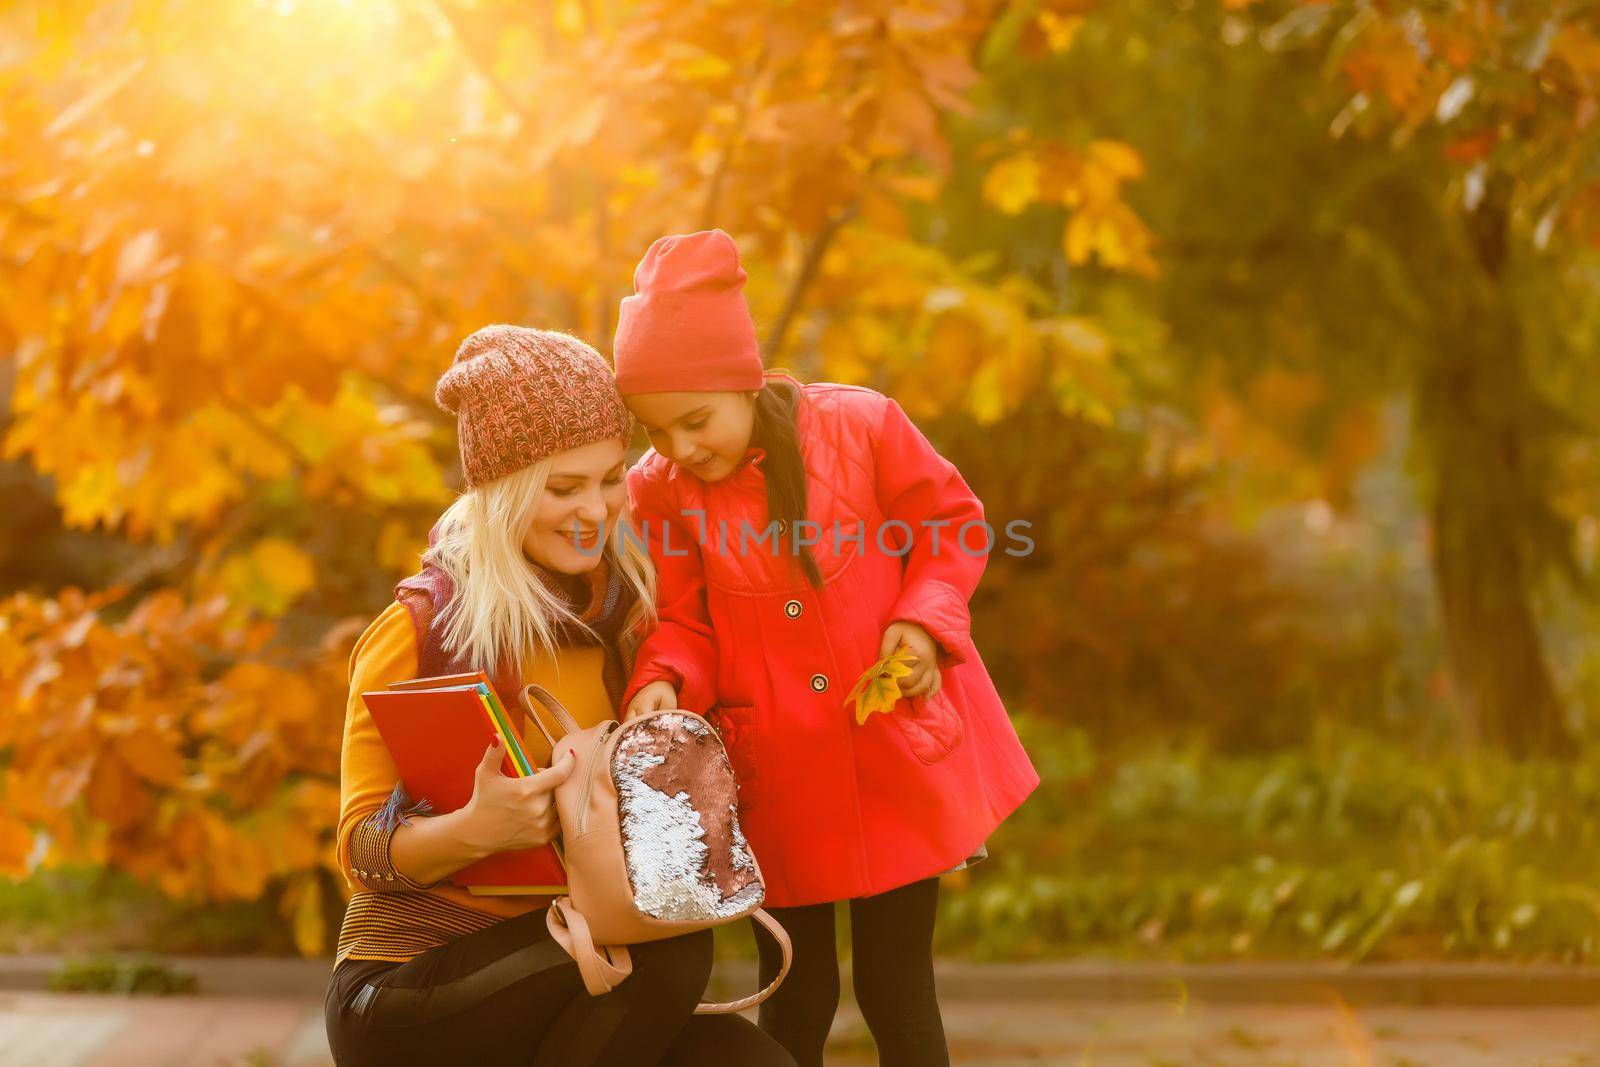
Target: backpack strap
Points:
(779, 934)
(563, 718)
(604, 967)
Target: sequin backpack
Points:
(651, 841)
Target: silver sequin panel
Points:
(687, 857)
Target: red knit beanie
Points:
(520, 395)
(686, 328)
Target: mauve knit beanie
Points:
(520, 395)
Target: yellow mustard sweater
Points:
(391, 917)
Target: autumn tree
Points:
(240, 241)
(1357, 202)
(1494, 108)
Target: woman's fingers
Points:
(492, 757)
(542, 783)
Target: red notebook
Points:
(436, 730)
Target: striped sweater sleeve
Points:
(372, 801)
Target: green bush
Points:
(106, 974)
(1349, 847)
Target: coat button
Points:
(793, 609)
(819, 683)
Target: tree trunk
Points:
(1487, 432)
(1482, 580)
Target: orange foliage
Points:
(241, 240)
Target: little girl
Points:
(800, 533)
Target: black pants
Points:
(891, 941)
(509, 995)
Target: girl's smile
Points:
(705, 433)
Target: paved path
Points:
(50, 1030)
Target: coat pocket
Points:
(736, 726)
(932, 725)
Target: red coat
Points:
(834, 810)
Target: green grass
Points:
(104, 974)
(85, 911)
(1348, 847)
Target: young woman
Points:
(527, 578)
(882, 543)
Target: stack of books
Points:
(436, 730)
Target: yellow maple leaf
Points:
(878, 688)
(1012, 184)
(270, 576)
(310, 930)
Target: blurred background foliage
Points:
(1275, 319)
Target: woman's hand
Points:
(507, 813)
(657, 696)
(924, 679)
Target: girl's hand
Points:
(657, 696)
(924, 679)
(506, 813)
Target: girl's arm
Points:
(921, 488)
(682, 649)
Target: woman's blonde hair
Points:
(499, 607)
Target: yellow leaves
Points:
(310, 928)
(878, 688)
(940, 337)
(1578, 47)
(696, 64)
(16, 846)
(1114, 236)
(357, 449)
(269, 577)
(1385, 63)
(1082, 377)
(113, 469)
(1100, 226)
(1112, 162)
(1012, 184)
(236, 863)
(1059, 30)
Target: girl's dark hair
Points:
(776, 433)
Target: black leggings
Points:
(509, 995)
(891, 941)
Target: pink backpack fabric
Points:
(651, 840)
